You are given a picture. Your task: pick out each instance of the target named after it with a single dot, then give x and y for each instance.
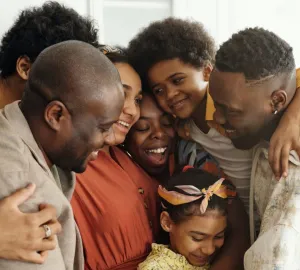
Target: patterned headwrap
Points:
(106, 49)
(189, 193)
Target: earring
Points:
(275, 112)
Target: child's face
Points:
(151, 139)
(199, 237)
(178, 87)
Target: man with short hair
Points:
(253, 83)
(63, 119)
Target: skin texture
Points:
(71, 126)
(246, 111)
(197, 238)
(23, 241)
(180, 89)
(132, 88)
(154, 130)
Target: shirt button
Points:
(146, 205)
(141, 191)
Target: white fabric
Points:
(278, 204)
(235, 163)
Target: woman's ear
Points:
(166, 221)
(23, 67)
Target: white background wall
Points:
(119, 20)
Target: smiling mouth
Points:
(231, 133)
(123, 123)
(157, 155)
(178, 104)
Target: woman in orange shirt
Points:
(115, 201)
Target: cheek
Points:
(135, 143)
(219, 243)
(163, 104)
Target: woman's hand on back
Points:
(22, 235)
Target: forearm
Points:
(237, 242)
(293, 112)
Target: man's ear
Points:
(207, 71)
(278, 100)
(55, 114)
(166, 221)
(23, 67)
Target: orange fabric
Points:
(116, 208)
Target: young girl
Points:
(194, 214)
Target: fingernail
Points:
(29, 186)
(277, 178)
(284, 174)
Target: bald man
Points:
(71, 100)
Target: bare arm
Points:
(22, 237)
(286, 136)
(231, 256)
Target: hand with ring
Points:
(26, 236)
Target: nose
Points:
(130, 108)
(109, 137)
(219, 117)
(158, 133)
(209, 249)
(171, 92)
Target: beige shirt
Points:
(278, 205)
(21, 163)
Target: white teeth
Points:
(158, 150)
(123, 123)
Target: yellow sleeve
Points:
(298, 77)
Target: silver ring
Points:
(47, 231)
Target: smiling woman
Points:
(115, 200)
(151, 139)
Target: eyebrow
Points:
(201, 233)
(127, 87)
(168, 78)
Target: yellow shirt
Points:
(161, 257)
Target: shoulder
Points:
(13, 150)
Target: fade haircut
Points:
(257, 53)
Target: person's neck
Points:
(11, 89)
(106, 149)
(270, 128)
(199, 114)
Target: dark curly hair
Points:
(257, 53)
(40, 27)
(168, 39)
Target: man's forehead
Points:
(227, 87)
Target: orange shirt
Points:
(116, 208)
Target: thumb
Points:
(21, 195)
